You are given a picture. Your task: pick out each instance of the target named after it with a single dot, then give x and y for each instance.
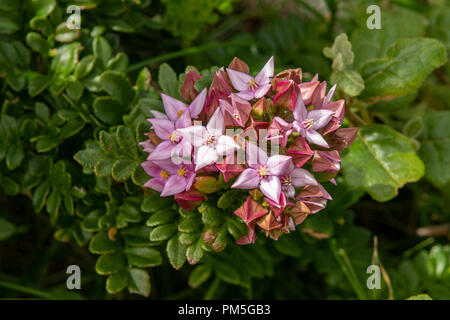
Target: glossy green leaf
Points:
(407, 63)
(117, 85)
(380, 161)
(348, 81)
(6, 229)
(199, 275)
(110, 263)
(435, 147)
(139, 282)
(143, 257)
(176, 252)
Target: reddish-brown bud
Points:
(188, 92)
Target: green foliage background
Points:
(73, 109)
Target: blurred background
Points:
(206, 33)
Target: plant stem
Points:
(311, 9)
(20, 288)
(346, 266)
(354, 119)
(212, 289)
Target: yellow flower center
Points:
(181, 172)
(251, 84)
(262, 171)
(164, 174)
(174, 137)
(180, 112)
(307, 124)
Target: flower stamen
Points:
(164, 174)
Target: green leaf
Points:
(117, 85)
(168, 81)
(36, 42)
(212, 216)
(127, 142)
(42, 111)
(102, 50)
(119, 63)
(163, 232)
(117, 282)
(190, 225)
(162, 217)
(9, 22)
(380, 161)
(46, 143)
(340, 51)
(110, 263)
(435, 147)
(143, 257)
(371, 44)
(85, 66)
(139, 282)
(109, 110)
(38, 84)
(348, 81)
(227, 272)
(53, 204)
(16, 80)
(407, 64)
(101, 244)
(9, 186)
(199, 275)
(194, 252)
(71, 128)
(14, 156)
(7, 229)
(123, 169)
(143, 80)
(42, 8)
(176, 252)
(66, 58)
(40, 196)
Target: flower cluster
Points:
(274, 136)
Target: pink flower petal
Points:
(262, 90)
(226, 145)
(173, 107)
(175, 184)
(248, 179)
(300, 111)
(183, 121)
(163, 128)
(246, 94)
(156, 184)
(266, 73)
(301, 177)
(158, 115)
(314, 137)
(239, 80)
(255, 156)
(205, 156)
(197, 105)
(216, 124)
(278, 164)
(321, 118)
(271, 187)
(193, 134)
(162, 151)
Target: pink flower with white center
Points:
(295, 178)
(169, 178)
(210, 141)
(175, 108)
(264, 172)
(252, 88)
(173, 145)
(307, 123)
